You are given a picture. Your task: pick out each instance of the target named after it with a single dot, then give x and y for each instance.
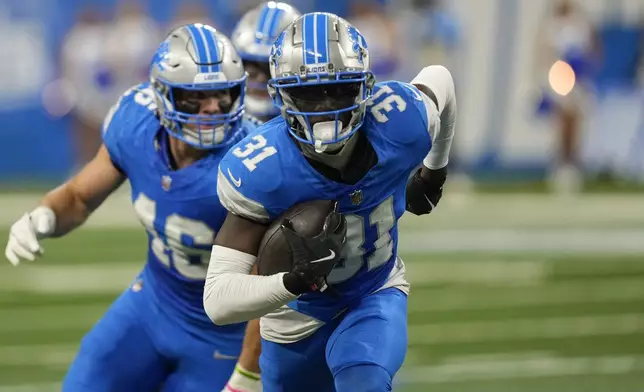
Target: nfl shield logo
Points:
(356, 197)
(166, 181)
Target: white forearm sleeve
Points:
(439, 80)
(232, 295)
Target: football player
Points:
(253, 37)
(166, 137)
(338, 320)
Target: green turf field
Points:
(520, 293)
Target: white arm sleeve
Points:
(439, 80)
(231, 295)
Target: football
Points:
(307, 219)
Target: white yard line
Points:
(93, 278)
(526, 329)
(546, 294)
(478, 211)
(577, 240)
(38, 355)
(526, 366)
(508, 272)
(50, 318)
(40, 387)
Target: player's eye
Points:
(191, 101)
(324, 97)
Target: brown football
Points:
(307, 219)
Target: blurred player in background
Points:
(191, 11)
(378, 28)
(567, 49)
(132, 40)
(102, 59)
(166, 137)
(253, 37)
(84, 65)
(378, 150)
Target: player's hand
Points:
(243, 380)
(424, 192)
(314, 258)
(25, 233)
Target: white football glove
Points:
(25, 233)
(243, 380)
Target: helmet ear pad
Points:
(370, 83)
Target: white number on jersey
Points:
(170, 250)
(143, 97)
(250, 148)
(380, 109)
(384, 219)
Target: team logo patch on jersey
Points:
(356, 197)
(166, 182)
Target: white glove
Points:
(243, 380)
(25, 233)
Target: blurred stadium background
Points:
(530, 276)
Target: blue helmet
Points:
(321, 79)
(193, 62)
(253, 38)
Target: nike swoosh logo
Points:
(429, 201)
(235, 181)
(219, 355)
(329, 257)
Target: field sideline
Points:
(510, 293)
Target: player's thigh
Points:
(373, 333)
(200, 365)
(296, 367)
(117, 354)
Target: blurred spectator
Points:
(191, 12)
(381, 34)
(131, 43)
(102, 60)
(568, 49)
(431, 32)
(85, 66)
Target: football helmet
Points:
(253, 37)
(194, 62)
(321, 79)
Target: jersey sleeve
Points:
(250, 180)
(115, 129)
(418, 108)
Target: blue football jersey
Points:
(179, 209)
(265, 174)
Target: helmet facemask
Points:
(182, 117)
(193, 64)
(326, 114)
